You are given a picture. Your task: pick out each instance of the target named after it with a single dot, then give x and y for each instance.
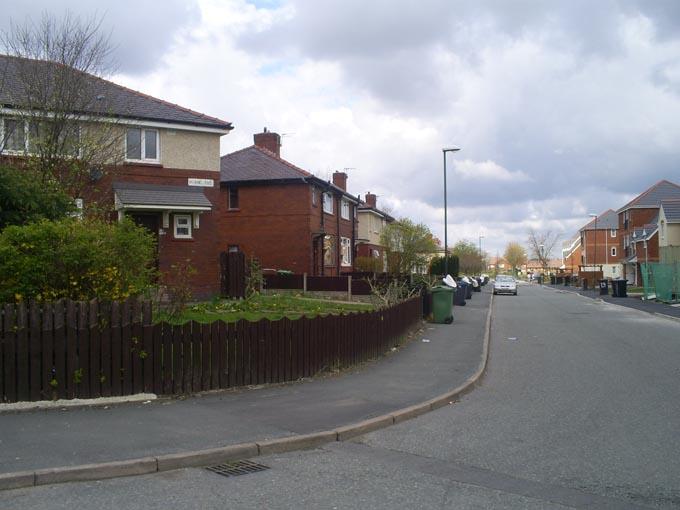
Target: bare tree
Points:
(541, 245)
(58, 101)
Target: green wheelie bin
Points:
(442, 304)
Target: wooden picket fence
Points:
(73, 349)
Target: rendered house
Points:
(371, 223)
(283, 215)
(164, 173)
(669, 232)
(600, 245)
(640, 217)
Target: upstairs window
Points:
(344, 212)
(314, 199)
(612, 232)
(328, 203)
(233, 197)
(141, 145)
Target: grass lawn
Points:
(272, 307)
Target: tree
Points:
(515, 255)
(470, 260)
(437, 265)
(408, 245)
(55, 95)
(541, 245)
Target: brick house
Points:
(371, 222)
(571, 254)
(599, 243)
(166, 178)
(638, 228)
(283, 215)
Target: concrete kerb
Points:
(207, 457)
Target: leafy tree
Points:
(437, 265)
(76, 259)
(515, 255)
(470, 260)
(24, 198)
(408, 245)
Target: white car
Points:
(505, 284)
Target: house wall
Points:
(271, 224)
(596, 247)
(337, 227)
(370, 226)
(672, 231)
(190, 150)
(202, 251)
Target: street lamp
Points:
(541, 259)
(594, 254)
(446, 219)
(481, 257)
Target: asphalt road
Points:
(580, 408)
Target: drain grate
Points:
(236, 468)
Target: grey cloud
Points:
(141, 31)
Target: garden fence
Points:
(86, 350)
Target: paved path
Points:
(418, 372)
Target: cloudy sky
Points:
(560, 108)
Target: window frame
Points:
(5, 139)
(330, 248)
(142, 143)
(344, 209)
(613, 251)
(314, 197)
(189, 225)
(612, 232)
(328, 196)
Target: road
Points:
(579, 408)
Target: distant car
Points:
(505, 285)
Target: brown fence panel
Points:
(233, 274)
(9, 354)
(327, 283)
(279, 281)
(21, 336)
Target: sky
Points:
(560, 109)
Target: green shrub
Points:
(25, 196)
(75, 259)
(369, 264)
(437, 265)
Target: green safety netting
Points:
(661, 281)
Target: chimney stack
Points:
(268, 140)
(340, 180)
(370, 200)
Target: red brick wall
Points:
(598, 245)
(336, 226)
(201, 252)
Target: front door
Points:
(151, 222)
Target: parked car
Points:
(505, 284)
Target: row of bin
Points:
(444, 298)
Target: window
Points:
(612, 232)
(663, 229)
(233, 197)
(314, 196)
(613, 251)
(182, 226)
(233, 248)
(329, 251)
(346, 251)
(141, 145)
(344, 211)
(13, 135)
(328, 203)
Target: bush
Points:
(437, 265)
(25, 196)
(75, 259)
(369, 264)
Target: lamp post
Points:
(541, 258)
(446, 219)
(481, 257)
(595, 253)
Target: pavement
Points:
(649, 306)
(441, 363)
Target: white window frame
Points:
(346, 251)
(189, 225)
(613, 251)
(144, 159)
(612, 232)
(5, 150)
(328, 203)
(344, 209)
(314, 198)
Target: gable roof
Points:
(256, 165)
(652, 197)
(101, 98)
(608, 220)
(671, 208)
